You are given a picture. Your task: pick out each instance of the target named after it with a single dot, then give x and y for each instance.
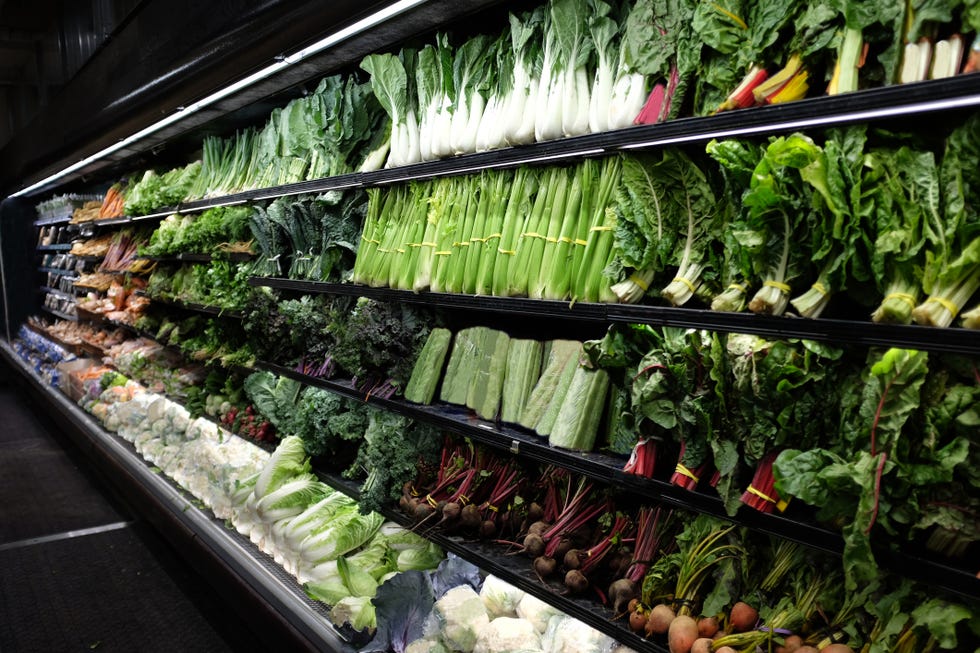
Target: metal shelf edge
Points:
(273, 589)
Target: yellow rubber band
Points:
(532, 234)
(414, 244)
(565, 239)
(644, 286)
(686, 282)
(464, 500)
(684, 471)
(466, 244)
(778, 285)
(739, 287)
(370, 240)
(400, 250)
(902, 297)
(780, 504)
(493, 508)
(384, 250)
(428, 244)
(820, 288)
(508, 252)
(581, 242)
(601, 228)
(492, 236)
(550, 239)
(432, 502)
(474, 239)
(945, 303)
(444, 253)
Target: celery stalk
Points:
(557, 266)
(474, 251)
(493, 227)
(516, 218)
(581, 411)
(523, 370)
(421, 386)
(531, 240)
(469, 191)
(599, 248)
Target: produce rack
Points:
(242, 562)
(867, 334)
(607, 469)
(58, 219)
(59, 271)
(55, 291)
(60, 247)
(198, 308)
(200, 258)
(243, 574)
(59, 314)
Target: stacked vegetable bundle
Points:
(155, 191)
(724, 229)
(528, 232)
(221, 284)
(212, 341)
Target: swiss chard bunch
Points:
(779, 393)
(877, 476)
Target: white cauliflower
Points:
(500, 598)
(508, 635)
(461, 616)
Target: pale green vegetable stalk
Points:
(373, 227)
(377, 268)
(487, 382)
(531, 240)
(474, 251)
(597, 253)
(971, 319)
(556, 265)
(435, 218)
(421, 387)
(462, 362)
(554, 212)
(590, 183)
(469, 192)
(516, 216)
(523, 371)
(557, 398)
(492, 231)
(560, 354)
(409, 250)
(580, 414)
(450, 225)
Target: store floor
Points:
(78, 570)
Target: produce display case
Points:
(892, 107)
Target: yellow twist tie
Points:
(508, 252)
(780, 504)
(684, 471)
(601, 228)
(686, 282)
(945, 303)
(644, 286)
(902, 297)
(820, 288)
(778, 285)
(579, 241)
(739, 287)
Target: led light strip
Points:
(180, 113)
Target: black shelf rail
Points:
(890, 102)
(56, 292)
(200, 258)
(515, 570)
(63, 316)
(196, 308)
(57, 247)
(58, 271)
(57, 219)
(607, 469)
(868, 334)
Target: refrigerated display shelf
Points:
(58, 219)
(56, 292)
(517, 571)
(607, 469)
(58, 271)
(196, 308)
(891, 102)
(58, 247)
(868, 334)
(63, 316)
(200, 258)
(233, 553)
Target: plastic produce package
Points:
(508, 635)
(500, 598)
(568, 635)
(460, 617)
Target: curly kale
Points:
(393, 448)
(327, 422)
(378, 342)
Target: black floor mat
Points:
(102, 592)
